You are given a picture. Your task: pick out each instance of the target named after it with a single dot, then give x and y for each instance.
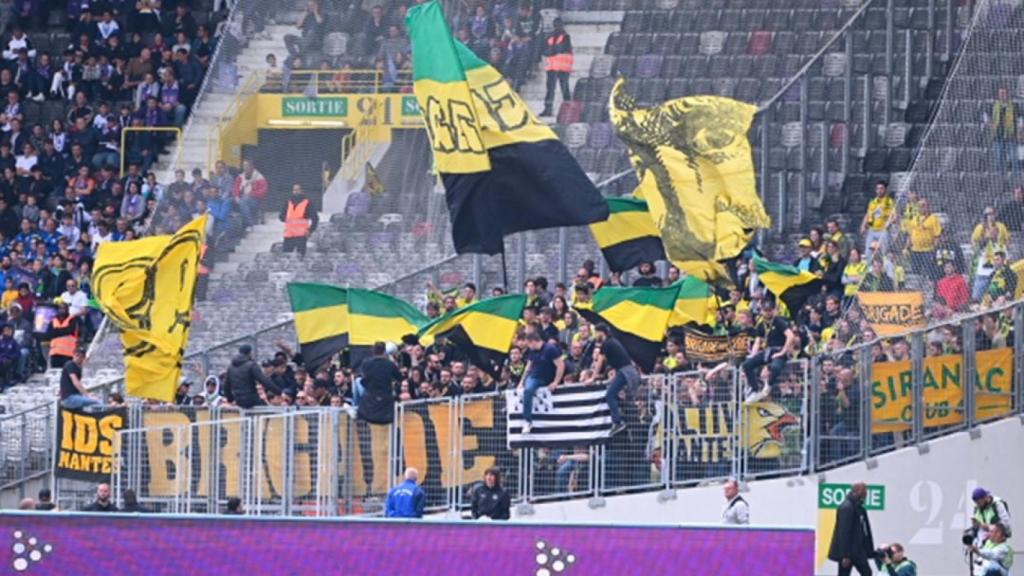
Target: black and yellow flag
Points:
(696, 172)
(629, 236)
(146, 289)
(789, 284)
(638, 317)
(377, 317)
(483, 330)
(503, 170)
(321, 320)
(374, 185)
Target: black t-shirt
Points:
(774, 332)
(67, 387)
(615, 353)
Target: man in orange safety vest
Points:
(300, 220)
(558, 50)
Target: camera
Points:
(883, 553)
(968, 536)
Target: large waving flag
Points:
(146, 288)
(629, 237)
(483, 331)
(637, 316)
(696, 303)
(321, 320)
(696, 173)
(503, 170)
(790, 284)
(376, 317)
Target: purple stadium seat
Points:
(648, 66)
(600, 136)
(357, 204)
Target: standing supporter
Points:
(243, 377)
(379, 374)
(559, 53)
(877, 219)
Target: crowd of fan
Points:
(505, 33)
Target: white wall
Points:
(927, 497)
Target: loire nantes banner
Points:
(85, 443)
(706, 348)
(892, 390)
(149, 544)
(893, 312)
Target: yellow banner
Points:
(706, 348)
(146, 288)
(893, 312)
(892, 391)
(85, 446)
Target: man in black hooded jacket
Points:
(242, 377)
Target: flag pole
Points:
(504, 271)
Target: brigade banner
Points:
(85, 443)
(892, 390)
(706, 348)
(893, 312)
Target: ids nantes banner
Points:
(892, 390)
(893, 312)
(85, 445)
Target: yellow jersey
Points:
(879, 212)
(924, 233)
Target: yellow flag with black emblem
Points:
(146, 289)
(696, 172)
(503, 170)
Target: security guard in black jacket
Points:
(490, 499)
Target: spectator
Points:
(736, 511)
(407, 500)
(234, 507)
(312, 31)
(45, 500)
(10, 354)
(1003, 131)
(559, 65)
(647, 276)
(952, 288)
(1003, 281)
(27, 503)
(379, 375)
(852, 542)
(249, 190)
(924, 230)
(103, 503)
(490, 500)
(244, 377)
(545, 367)
(774, 343)
(876, 280)
(131, 503)
(877, 220)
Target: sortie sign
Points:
(317, 107)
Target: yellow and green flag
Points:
(503, 170)
(696, 304)
(629, 236)
(637, 316)
(790, 284)
(146, 288)
(696, 172)
(321, 320)
(483, 331)
(376, 317)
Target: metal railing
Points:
(27, 442)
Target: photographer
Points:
(890, 560)
(989, 510)
(995, 557)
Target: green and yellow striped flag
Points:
(503, 170)
(790, 284)
(376, 317)
(483, 331)
(696, 303)
(321, 320)
(637, 316)
(629, 237)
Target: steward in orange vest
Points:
(63, 336)
(300, 220)
(558, 50)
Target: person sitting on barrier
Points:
(103, 503)
(490, 499)
(775, 343)
(545, 366)
(73, 394)
(995, 556)
(612, 354)
(407, 500)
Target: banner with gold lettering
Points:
(702, 347)
(893, 312)
(85, 442)
(892, 407)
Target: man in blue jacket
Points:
(407, 499)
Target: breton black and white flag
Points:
(572, 415)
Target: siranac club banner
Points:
(892, 388)
(85, 442)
